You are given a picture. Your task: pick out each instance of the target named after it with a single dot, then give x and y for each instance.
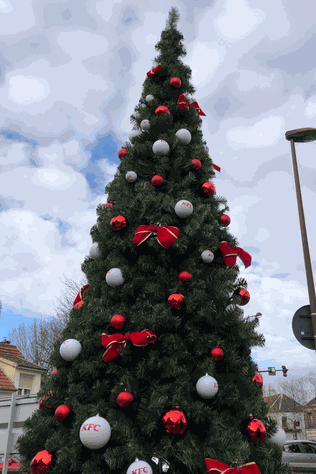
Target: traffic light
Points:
(297, 423)
(284, 370)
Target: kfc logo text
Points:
(140, 470)
(87, 427)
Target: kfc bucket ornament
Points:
(95, 432)
(279, 437)
(114, 277)
(131, 176)
(207, 256)
(145, 125)
(134, 133)
(139, 467)
(207, 387)
(183, 208)
(94, 251)
(70, 349)
(184, 136)
(149, 98)
(160, 146)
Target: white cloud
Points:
(27, 89)
(263, 133)
(81, 45)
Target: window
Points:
(19, 391)
(27, 391)
(310, 419)
(24, 391)
(309, 448)
(284, 422)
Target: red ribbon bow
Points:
(216, 167)
(166, 235)
(153, 71)
(185, 105)
(115, 343)
(230, 255)
(217, 467)
(79, 295)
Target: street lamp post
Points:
(304, 135)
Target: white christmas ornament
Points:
(160, 146)
(149, 98)
(206, 148)
(184, 136)
(70, 349)
(145, 125)
(139, 467)
(183, 208)
(134, 133)
(142, 106)
(207, 256)
(207, 387)
(114, 277)
(95, 432)
(131, 176)
(94, 251)
(279, 437)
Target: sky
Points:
(71, 75)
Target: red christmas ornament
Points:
(79, 295)
(41, 463)
(175, 82)
(217, 353)
(108, 204)
(244, 296)
(42, 405)
(162, 109)
(174, 421)
(62, 412)
(208, 188)
(124, 399)
(257, 378)
(79, 304)
(157, 180)
(224, 219)
(117, 321)
(256, 430)
(54, 372)
(123, 152)
(175, 300)
(185, 276)
(118, 222)
(197, 165)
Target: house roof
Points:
(311, 403)
(12, 353)
(282, 403)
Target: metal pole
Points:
(308, 266)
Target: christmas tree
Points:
(154, 371)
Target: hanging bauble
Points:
(124, 399)
(118, 222)
(70, 349)
(142, 106)
(42, 462)
(117, 321)
(279, 437)
(197, 165)
(95, 432)
(175, 300)
(62, 412)
(183, 208)
(244, 295)
(94, 251)
(207, 256)
(207, 387)
(139, 467)
(206, 148)
(217, 353)
(209, 189)
(160, 146)
(175, 82)
(184, 136)
(162, 464)
(162, 109)
(157, 180)
(149, 98)
(108, 205)
(123, 152)
(145, 125)
(134, 133)
(256, 430)
(224, 219)
(257, 378)
(185, 276)
(131, 176)
(54, 372)
(41, 403)
(114, 277)
(175, 421)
